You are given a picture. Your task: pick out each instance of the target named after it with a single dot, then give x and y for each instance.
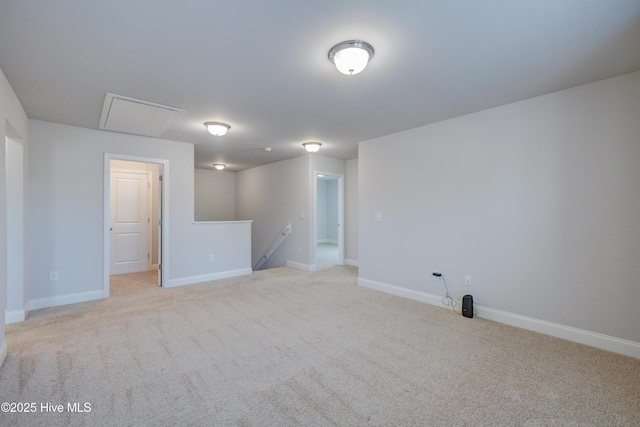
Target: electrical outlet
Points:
(467, 281)
(211, 258)
(299, 250)
(53, 276)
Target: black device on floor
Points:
(467, 306)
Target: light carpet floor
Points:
(283, 347)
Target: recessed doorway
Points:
(328, 232)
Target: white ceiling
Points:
(262, 65)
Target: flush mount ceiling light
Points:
(217, 128)
(311, 147)
(219, 166)
(351, 57)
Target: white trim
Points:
(16, 224)
(3, 352)
(58, 300)
(401, 292)
(208, 277)
(14, 316)
(352, 262)
(593, 339)
(301, 266)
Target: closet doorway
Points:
(135, 213)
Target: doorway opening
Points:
(136, 217)
(329, 217)
(16, 307)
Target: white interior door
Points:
(130, 221)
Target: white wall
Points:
(66, 210)
(351, 212)
(536, 200)
(13, 124)
(215, 195)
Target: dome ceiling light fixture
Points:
(219, 166)
(312, 147)
(217, 128)
(351, 57)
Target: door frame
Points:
(163, 236)
(314, 226)
(16, 301)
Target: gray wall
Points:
(351, 212)
(538, 201)
(215, 195)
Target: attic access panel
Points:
(129, 115)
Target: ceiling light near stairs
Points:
(217, 128)
(312, 147)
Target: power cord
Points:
(449, 300)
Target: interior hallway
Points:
(326, 255)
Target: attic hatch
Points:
(129, 115)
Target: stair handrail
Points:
(275, 244)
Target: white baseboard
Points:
(58, 300)
(3, 352)
(191, 280)
(14, 316)
(401, 292)
(593, 339)
(301, 266)
(352, 262)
